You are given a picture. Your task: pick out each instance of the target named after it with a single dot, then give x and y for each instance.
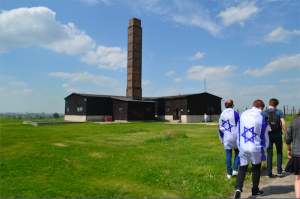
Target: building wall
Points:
(99, 106)
(141, 111)
(75, 118)
(204, 103)
(117, 113)
(73, 102)
(83, 118)
(186, 118)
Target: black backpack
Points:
(274, 122)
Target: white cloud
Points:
(210, 73)
(65, 85)
(198, 20)
(238, 14)
(22, 92)
(290, 80)
(95, 2)
(114, 57)
(258, 90)
(22, 84)
(177, 80)
(26, 91)
(146, 82)
(90, 2)
(2, 89)
(24, 27)
(73, 90)
(197, 56)
(280, 35)
(86, 77)
(6, 77)
(148, 6)
(170, 72)
(281, 64)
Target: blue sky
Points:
(246, 50)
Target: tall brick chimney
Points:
(134, 60)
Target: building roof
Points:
(145, 99)
(179, 96)
(122, 98)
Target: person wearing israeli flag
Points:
(252, 140)
(227, 134)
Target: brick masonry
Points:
(134, 60)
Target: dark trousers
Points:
(278, 143)
(255, 177)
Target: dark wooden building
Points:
(89, 107)
(187, 108)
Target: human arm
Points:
(289, 139)
(267, 139)
(284, 128)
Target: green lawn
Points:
(131, 160)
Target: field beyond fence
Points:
(130, 160)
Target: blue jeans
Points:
(205, 120)
(278, 144)
(229, 158)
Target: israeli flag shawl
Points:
(253, 137)
(227, 128)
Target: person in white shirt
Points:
(205, 117)
(228, 137)
(252, 140)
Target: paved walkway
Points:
(278, 187)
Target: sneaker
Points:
(280, 174)
(229, 176)
(259, 193)
(270, 176)
(237, 194)
(235, 173)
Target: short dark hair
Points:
(228, 103)
(273, 102)
(258, 103)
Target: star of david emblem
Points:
(227, 125)
(251, 130)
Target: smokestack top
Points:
(135, 22)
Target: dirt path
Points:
(278, 187)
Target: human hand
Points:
(222, 143)
(289, 154)
(285, 138)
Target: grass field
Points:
(130, 160)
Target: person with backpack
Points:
(275, 119)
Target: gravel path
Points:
(278, 187)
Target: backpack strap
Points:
(267, 111)
(275, 110)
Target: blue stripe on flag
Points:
(221, 133)
(239, 133)
(236, 117)
(263, 139)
